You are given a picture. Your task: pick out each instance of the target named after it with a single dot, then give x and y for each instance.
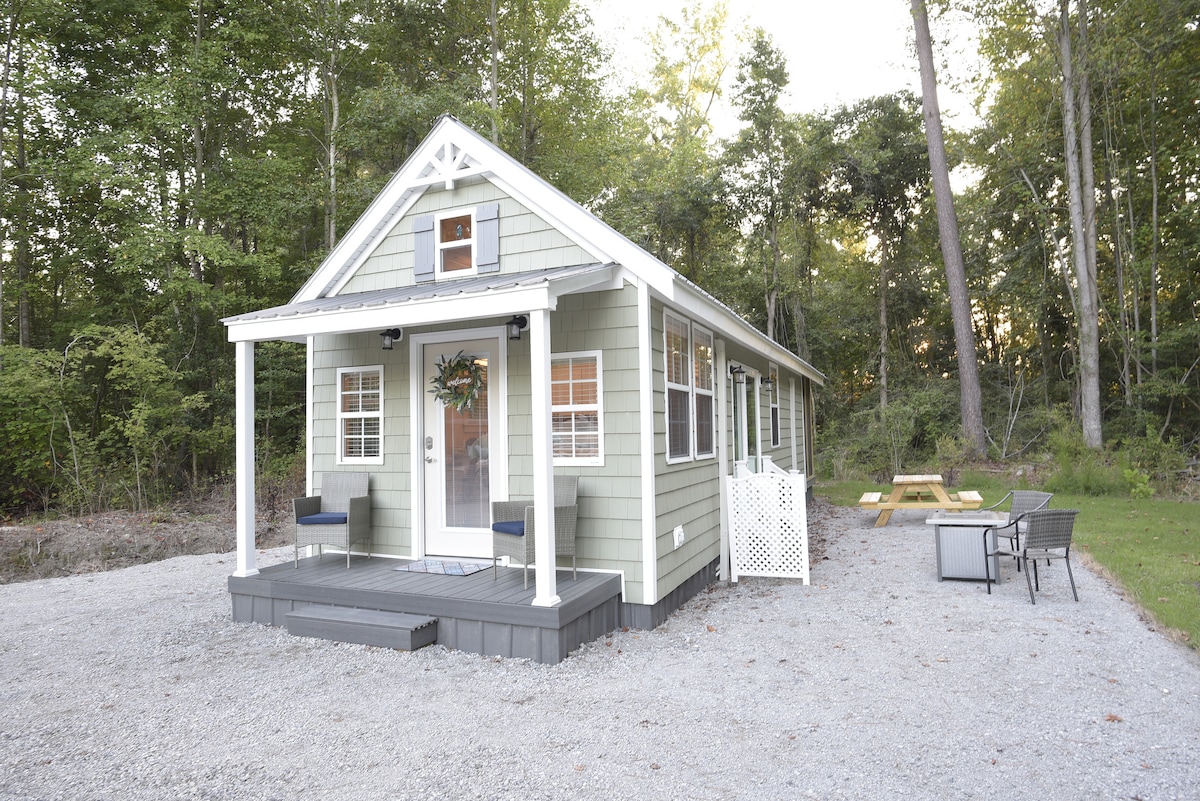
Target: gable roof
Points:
(451, 153)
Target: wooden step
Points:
(398, 630)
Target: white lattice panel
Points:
(769, 526)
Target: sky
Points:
(838, 51)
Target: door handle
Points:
(430, 459)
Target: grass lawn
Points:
(1150, 547)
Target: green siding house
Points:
(597, 360)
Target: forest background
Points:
(168, 163)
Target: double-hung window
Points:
(456, 250)
(576, 415)
(360, 415)
(689, 385)
(773, 398)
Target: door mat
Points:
(443, 568)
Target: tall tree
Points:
(757, 161)
(956, 274)
(1080, 177)
(883, 175)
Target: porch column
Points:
(244, 446)
(546, 589)
(722, 381)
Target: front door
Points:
(461, 459)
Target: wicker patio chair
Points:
(339, 516)
(513, 533)
(1023, 502)
(1047, 536)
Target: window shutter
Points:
(424, 248)
(487, 231)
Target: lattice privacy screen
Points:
(769, 526)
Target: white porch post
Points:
(244, 446)
(546, 589)
(722, 423)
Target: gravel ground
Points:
(875, 682)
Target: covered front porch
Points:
(488, 612)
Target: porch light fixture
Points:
(391, 337)
(516, 325)
(768, 384)
(738, 373)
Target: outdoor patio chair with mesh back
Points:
(513, 532)
(1047, 536)
(339, 516)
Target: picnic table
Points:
(918, 492)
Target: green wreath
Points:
(458, 382)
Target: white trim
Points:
(545, 561)
(581, 461)
(722, 424)
(339, 415)
(244, 457)
(649, 482)
(310, 371)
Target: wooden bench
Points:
(969, 499)
(870, 500)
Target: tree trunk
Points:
(956, 276)
(1086, 312)
(494, 19)
(883, 325)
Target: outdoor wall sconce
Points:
(516, 325)
(738, 373)
(391, 337)
(768, 384)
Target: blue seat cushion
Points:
(323, 519)
(514, 527)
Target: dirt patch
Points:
(111, 540)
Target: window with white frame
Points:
(577, 433)
(702, 390)
(455, 245)
(689, 379)
(360, 415)
(773, 398)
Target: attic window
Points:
(455, 244)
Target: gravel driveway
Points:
(875, 682)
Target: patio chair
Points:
(513, 532)
(1047, 536)
(339, 516)
(1023, 502)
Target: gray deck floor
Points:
(487, 612)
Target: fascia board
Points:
(696, 305)
(483, 305)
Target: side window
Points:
(773, 397)
(678, 377)
(576, 396)
(360, 415)
(689, 379)
(702, 347)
